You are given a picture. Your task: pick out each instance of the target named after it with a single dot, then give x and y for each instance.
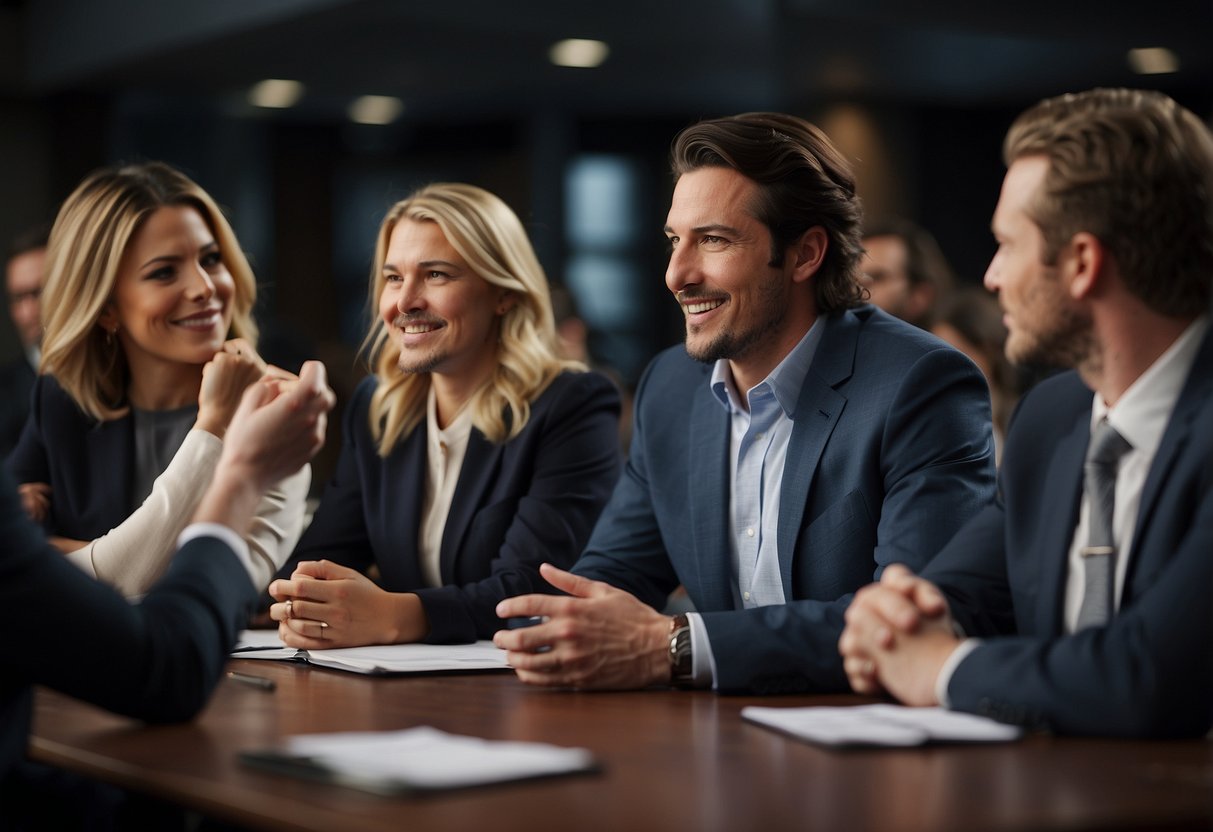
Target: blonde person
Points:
(473, 454)
(148, 346)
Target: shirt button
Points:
(759, 436)
(749, 532)
(746, 596)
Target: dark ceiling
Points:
(481, 57)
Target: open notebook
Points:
(376, 659)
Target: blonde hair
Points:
(491, 239)
(86, 245)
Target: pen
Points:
(255, 681)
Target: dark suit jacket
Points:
(891, 452)
(157, 660)
(1149, 672)
(88, 464)
(532, 499)
(16, 381)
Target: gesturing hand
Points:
(224, 380)
(600, 638)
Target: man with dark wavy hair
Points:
(801, 440)
(1084, 590)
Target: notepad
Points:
(891, 726)
(376, 659)
(416, 760)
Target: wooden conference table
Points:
(671, 760)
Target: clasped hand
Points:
(325, 605)
(898, 636)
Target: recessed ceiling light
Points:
(376, 109)
(579, 52)
(276, 93)
(1156, 60)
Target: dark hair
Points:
(1134, 169)
(925, 262)
(803, 181)
(29, 239)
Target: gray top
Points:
(158, 435)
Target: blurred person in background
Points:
(24, 274)
(971, 321)
(904, 270)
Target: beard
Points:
(1059, 335)
(733, 342)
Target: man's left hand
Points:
(600, 638)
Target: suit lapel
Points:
(1062, 487)
(1195, 394)
(480, 464)
(710, 504)
(818, 409)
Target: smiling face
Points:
(1044, 324)
(172, 300)
(440, 314)
(737, 306)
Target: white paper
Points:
(427, 758)
(881, 725)
(384, 658)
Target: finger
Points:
(531, 639)
(529, 606)
(572, 584)
(861, 673)
(893, 606)
(323, 570)
(866, 627)
(929, 599)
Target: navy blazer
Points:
(1149, 672)
(157, 660)
(517, 504)
(891, 452)
(89, 465)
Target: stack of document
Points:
(881, 725)
(416, 760)
(376, 659)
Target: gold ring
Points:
(323, 626)
(289, 612)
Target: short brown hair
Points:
(803, 181)
(1135, 169)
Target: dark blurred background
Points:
(917, 94)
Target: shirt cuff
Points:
(703, 663)
(949, 667)
(225, 534)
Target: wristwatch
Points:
(681, 665)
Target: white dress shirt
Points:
(444, 453)
(1140, 416)
(760, 430)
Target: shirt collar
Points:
(785, 381)
(454, 433)
(1142, 413)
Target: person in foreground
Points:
(158, 659)
(471, 455)
(1084, 590)
(148, 345)
(800, 442)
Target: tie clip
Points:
(1092, 551)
